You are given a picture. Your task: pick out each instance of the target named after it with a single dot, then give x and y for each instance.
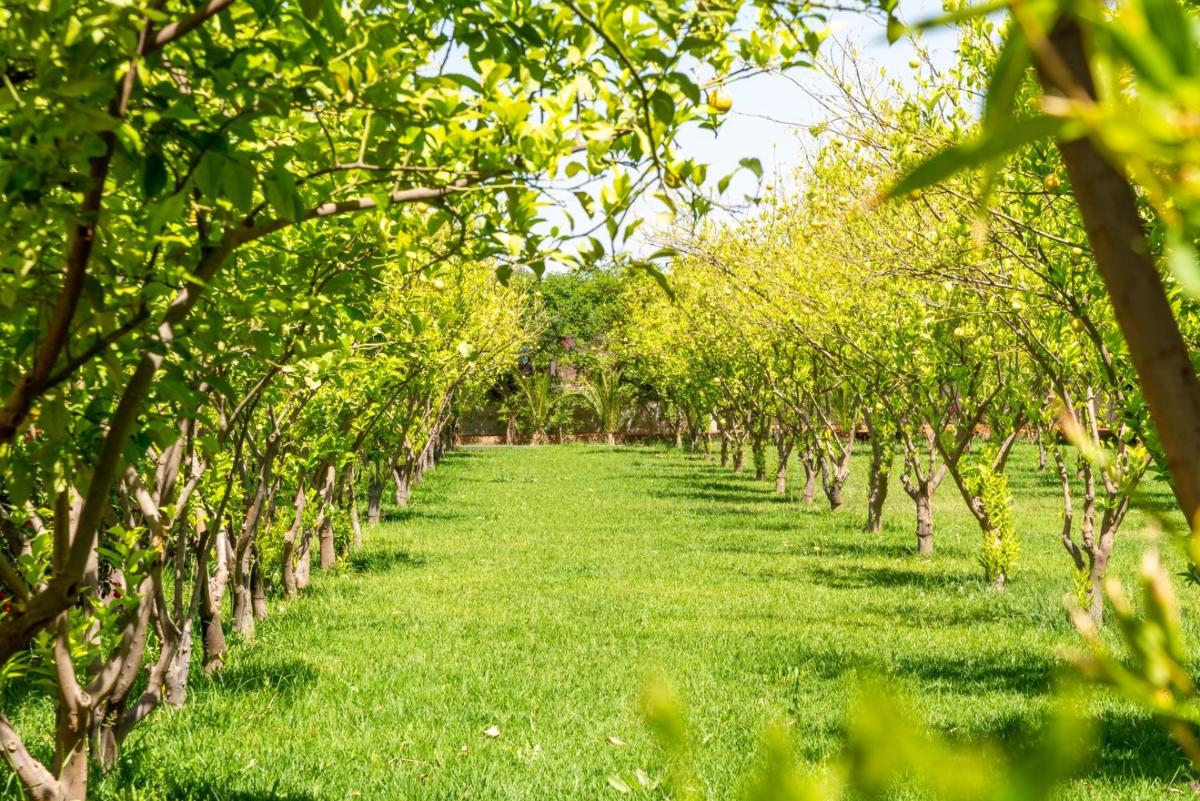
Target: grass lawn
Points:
(533, 589)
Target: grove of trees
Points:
(259, 258)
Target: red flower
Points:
(7, 608)
(117, 594)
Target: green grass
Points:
(534, 589)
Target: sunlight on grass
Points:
(492, 642)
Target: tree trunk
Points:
(243, 603)
(924, 521)
(374, 497)
(71, 758)
(882, 457)
(834, 474)
(833, 492)
(304, 563)
(758, 452)
(212, 593)
(783, 451)
(258, 593)
(810, 477)
(400, 476)
(1097, 569)
(1117, 235)
(328, 552)
(287, 557)
(176, 679)
(355, 521)
(611, 438)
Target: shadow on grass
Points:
(1030, 676)
(1135, 747)
(722, 497)
(200, 790)
(380, 561)
(854, 576)
(1128, 747)
(130, 774)
(410, 514)
(870, 548)
(283, 675)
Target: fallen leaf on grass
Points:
(612, 739)
(492, 731)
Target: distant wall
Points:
(485, 426)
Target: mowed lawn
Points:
(534, 590)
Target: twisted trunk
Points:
(288, 554)
(328, 552)
(924, 505)
(212, 593)
(882, 456)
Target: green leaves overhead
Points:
(994, 143)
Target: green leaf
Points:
(995, 141)
(753, 165)
(659, 277)
(1007, 74)
(154, 174)
(1174, 31)
(237, 181)
(1149, 60)
(311, 8)
(663, 107)
(965, 13)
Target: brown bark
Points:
(1117, 236)
(924, 522)
(328, 553)
(37, 781)
(243, 604)
(176, 680)
(400, 475)
(258, 593)
(809, 461)
(304, 562)
(288, 551)
(882, 456)
(244, 557)
(835, 469)
(921, 478)
(374, 499)
(212, 593)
